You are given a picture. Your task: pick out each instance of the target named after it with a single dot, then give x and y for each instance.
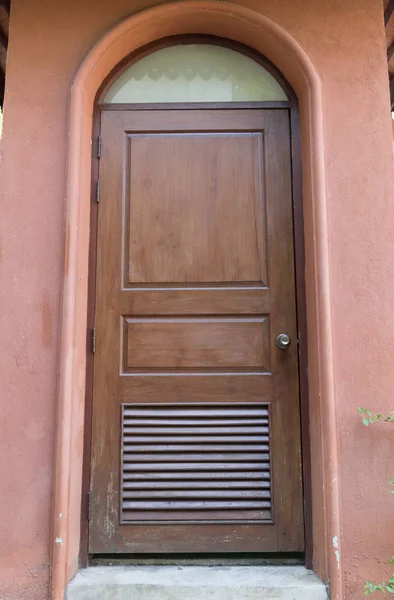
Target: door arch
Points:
(245, 26)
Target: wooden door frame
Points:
(299, 253)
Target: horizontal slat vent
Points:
(196, 462)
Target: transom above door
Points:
(196, 434)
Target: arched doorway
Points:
(245, 26)
(196, 205)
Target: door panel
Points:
(196, 435)
(196, 233)
(217, 344)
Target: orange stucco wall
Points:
(48, 40)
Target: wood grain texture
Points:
(193, 301)
(244, 276)
(196, 210)
(204, 343)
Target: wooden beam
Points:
(3, 39)
(388, 12)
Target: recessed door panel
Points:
(191, 344)
(186, 225)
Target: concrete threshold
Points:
(196, 583)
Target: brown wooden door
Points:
(196, 432)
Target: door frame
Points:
(233, 21)
(298, 241)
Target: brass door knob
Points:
(283, 341)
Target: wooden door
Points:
(196, 429)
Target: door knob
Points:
(283, 341)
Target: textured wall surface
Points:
(48, 40)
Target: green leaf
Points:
(365, 421)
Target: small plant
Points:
(368, 418)
(381, 587)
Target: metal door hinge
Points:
(89, 508)
(99, 146)
(98, 191)
(94, 340)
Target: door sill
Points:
(191, 582)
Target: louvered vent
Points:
(188, 462)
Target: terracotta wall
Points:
(48, 40)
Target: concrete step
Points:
(196, 583)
